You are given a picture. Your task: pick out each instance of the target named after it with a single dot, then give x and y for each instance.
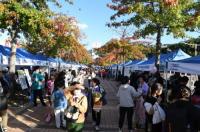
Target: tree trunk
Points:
(158, 47)
(12, 70)
(12, 58)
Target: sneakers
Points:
(5, 129)
(97, 128)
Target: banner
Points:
(4, 60)
(148, 67)
(28, 77)
(184, 67)
(22, 79)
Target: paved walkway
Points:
(32, 120)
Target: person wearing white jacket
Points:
(126, 95)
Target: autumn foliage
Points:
(60, 38)
(117, 51)
(170, 2)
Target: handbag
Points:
(72, 113)
(159, 114)
(148, 107)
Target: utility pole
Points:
(195, 48)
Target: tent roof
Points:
(134, 62)
(22, 53)
(52, 60)
(176, 55)
(6, 52)
(195, 59)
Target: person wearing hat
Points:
(78, 100)
(4, 92)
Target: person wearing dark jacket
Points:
(4, 88)
(182, 116)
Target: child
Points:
(59, 103)
(50, 88)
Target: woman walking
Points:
(140, 110)
(97, 94)
(126, 96)
(77, 108)
(59, 103)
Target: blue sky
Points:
(92, 16)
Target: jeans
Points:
(96, 116)
(37, 93)
(59, 117)
(122, 112)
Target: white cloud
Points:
(82, 26)
(3, 37)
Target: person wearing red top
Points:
(196, 97)
(50, 88)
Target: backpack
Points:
(72, 113)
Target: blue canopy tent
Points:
(23, 57)
(132, 65)
(53, 63)
(42, 60)
(114, 66)
(190, 65)
(149, 65)
(63, 64)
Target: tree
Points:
(191, 46)
(77, 52)
(61, 39)
(156, 17)
(23, 19)
(118, 51)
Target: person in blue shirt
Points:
(59, 103)
(37, 86)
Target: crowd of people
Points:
(149, 101)
(154, 107)
(67, 96)
(71, 95)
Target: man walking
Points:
(37, 86)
